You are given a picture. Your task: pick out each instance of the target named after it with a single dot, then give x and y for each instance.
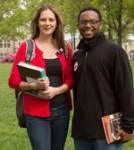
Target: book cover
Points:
(29, 73)
(111, 124)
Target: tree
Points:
(15, 17)
(117, 18)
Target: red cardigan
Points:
(32, 105)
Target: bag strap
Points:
(66, 50)
(29, 53)
(29, 50)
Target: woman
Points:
(47, 119)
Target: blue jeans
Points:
(49, 133)
(95, 145)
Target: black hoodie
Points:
(103, 85)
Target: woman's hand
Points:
(49, 93)
(39, 84)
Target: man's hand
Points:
(125, 137)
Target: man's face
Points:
(89, 24)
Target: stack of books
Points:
(111, 124)
(28, 73)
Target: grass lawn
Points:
(11, 136)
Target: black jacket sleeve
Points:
(124, 89)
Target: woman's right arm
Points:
(14, 78)
(39, 84)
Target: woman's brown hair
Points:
(58, 34)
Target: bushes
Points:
(8, 58)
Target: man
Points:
(103, 86)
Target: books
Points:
(111, 124)
(29, 73)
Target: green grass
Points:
(11, 136)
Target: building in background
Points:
(10, 46)
(129, 47)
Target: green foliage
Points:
(117, 15)
(117, 19)
(7, 9)
(16, 17)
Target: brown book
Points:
(29, 73)
(111, 124)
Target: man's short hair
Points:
(90, 9)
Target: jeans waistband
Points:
(61, 110)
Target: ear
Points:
(100, 25)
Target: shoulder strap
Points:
(29, 53)
(29, 50)
(66, 50)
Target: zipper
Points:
(83, 68)
(84, 63)
(85, 58)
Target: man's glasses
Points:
(92, 22)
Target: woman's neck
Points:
(48, 45)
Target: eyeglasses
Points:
(92, 22)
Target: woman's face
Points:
(47, 23)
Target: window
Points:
(8, 44)
(5, 44)
(1, 44)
